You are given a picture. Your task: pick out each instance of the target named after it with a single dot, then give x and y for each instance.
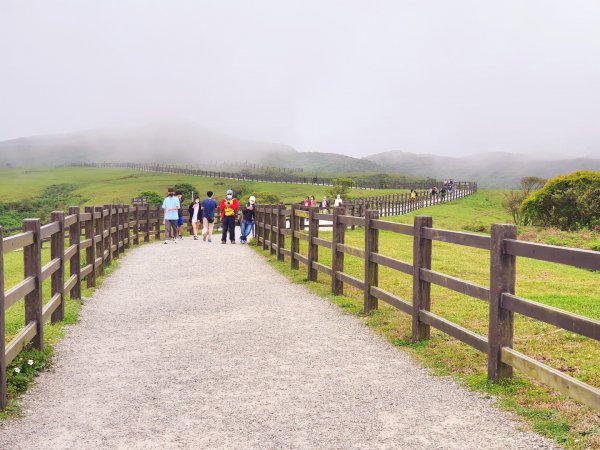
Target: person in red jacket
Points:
(229, 208)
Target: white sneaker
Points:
(166, 242)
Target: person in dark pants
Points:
(229, 208)
(248, 219)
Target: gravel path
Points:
(197, 345)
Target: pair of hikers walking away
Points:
(229, 212)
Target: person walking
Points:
(170, 208)
(248, 216)
(208, 207)
(180, 220)
(325, 205)
(338, 201)
(229, 207)
(195, 215)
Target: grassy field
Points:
(103, 186)
(571, 289)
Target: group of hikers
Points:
(324, 204)
(202, 213)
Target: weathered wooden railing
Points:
(272, 229)
(95, 237)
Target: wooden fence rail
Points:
(85, 243)
(503, 248)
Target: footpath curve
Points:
(197, 345)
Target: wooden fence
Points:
(82, 243)
(277, 177)
(272, 230)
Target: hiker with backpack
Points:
(229, 208)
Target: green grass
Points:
(568, 288)
(102, 186)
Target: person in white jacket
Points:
(338, 201)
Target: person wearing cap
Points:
(325, 204)
(229, 208)
(248, 216)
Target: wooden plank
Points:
(475, 340)
(303, 259)
(286, 232)
(97, 214)
(352, 251)
(97, 238)
(321, 216)
(72, 281)
(457, 237)
(300, 235)
(351, 220)
(49, 229)
(50, 268)
(584, 259)
(502, 280)
(322, 242)
(85, 244)
(554, 316)
(51, 306)
(84, 217)
(19, 341)
(392, 299)
(17, 292)
(286, 251)
(386, 261)
(71, 219)
(349, 279)
(393, 226)
(70, 251)
(570, 386)
(17, 241)
(322, 268)
(98, 262)
(86, 270)
(456, 284)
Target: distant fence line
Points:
(276, 177)
(275, 224)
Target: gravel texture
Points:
(197, 345)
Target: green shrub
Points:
(568, 202)
(186, 190)
(151, 197)
(266, 198)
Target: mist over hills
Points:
(186, 143)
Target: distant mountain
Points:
(170, 142)
(488, 169)
(187, 143)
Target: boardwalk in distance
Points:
(192, 345)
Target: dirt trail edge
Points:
(198, 345)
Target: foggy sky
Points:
(354, 77)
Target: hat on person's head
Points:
(338, 196)
(252, 199)
(229, 192)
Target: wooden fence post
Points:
(258, 224)
(100, 245)
(3, 381)
(136, 225)
(57, 250)
(337, 257)
(274, 235)
(32, 261)
(295, 247)
(75, 261)
(126, 225)
(280, 236)
(371, 268)
(110, 223)
(266, 231)
(502, 280)
(158, 221)
(90, 252)
(147, 223)
(421, 288)
(313, 249)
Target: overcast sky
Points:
(354, 77)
